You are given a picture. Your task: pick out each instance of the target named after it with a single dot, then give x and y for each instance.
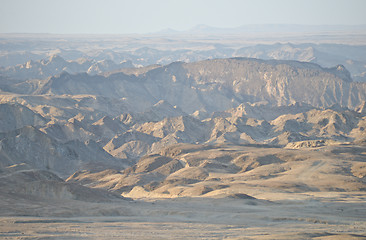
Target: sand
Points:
(324, 216)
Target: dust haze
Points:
(202, 134)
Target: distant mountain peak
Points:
(201, 27)
(342, 72)
(55, 59)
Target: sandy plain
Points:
(305, 216)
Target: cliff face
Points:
(216, 85)
(228, 81)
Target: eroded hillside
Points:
(216, 128)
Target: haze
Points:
(144, 16)
(188, 119)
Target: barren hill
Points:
(221, 170)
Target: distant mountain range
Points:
(255, 28)
(45, 68)
(98, 62)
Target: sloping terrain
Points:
(216, 85)
(14, 116)
(31, 146)
(186, 170)
(222, 141)
(212, 85)
(115, 120)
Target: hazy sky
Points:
(143, 16)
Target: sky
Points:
(146, 16)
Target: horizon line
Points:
(204, 28)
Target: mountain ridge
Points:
(250, 28)
(232, 81)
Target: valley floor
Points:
(306, 216)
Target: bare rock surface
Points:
(226, 147)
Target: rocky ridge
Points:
(176, 130)
(216, 85)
